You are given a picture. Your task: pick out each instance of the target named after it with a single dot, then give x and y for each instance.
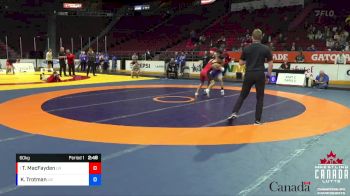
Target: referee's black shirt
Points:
(255, 56)
(61, 56)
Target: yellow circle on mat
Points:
(25, 114)
(186, 99)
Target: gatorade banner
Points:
(309, 57)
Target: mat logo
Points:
(348, 72)
(331, 169)
(302, 187)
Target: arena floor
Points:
(155, 139)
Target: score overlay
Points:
(58, 170)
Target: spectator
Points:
(300, 58)
(206, 58)
(182, 62)
(285, 65)
(105, 63)
(227, 60)
(91, 62)
(334, 29)
(311, 36)
(343, 37)
(135, 69)
(330, 43)
(272, 47)
(148, 55)
(345, 34)
(340, 59)
(265, 39)
(202, 39)
(281, 38)
(293, 47)
(336, 37)
(193, 37)
(177, 59)
(97, 61)
(221, 43)
(172, 68)
(49, 59)
(101, 59)
(114, 63)
(328, 32)
(9, 67)
(312, 48)
(347, 46)
(321, 81)
(337, 47)
(83, 60)
(318, 35)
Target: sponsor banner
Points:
(291, 79)
(148, 66)
(310, 57)
(344, 72)
(195, 67)
(23, 67)
(335, 72)
(43, 63)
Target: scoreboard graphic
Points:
(58, 170)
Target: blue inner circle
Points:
(136, 107)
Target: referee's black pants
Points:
(63, 68)
(251, 78)
(92, 67)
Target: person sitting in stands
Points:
(340, 59)
(55, 77)
(311, 48)
(172, 68)
(182, 62)
(321, 81)
(285, 65)
(9, 67)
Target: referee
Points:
(62, 61)
(254, 57)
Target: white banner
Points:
(195, 67)
(291, 79)
(23, 67)
(343, 72)
(333, 71)
(148, 66)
